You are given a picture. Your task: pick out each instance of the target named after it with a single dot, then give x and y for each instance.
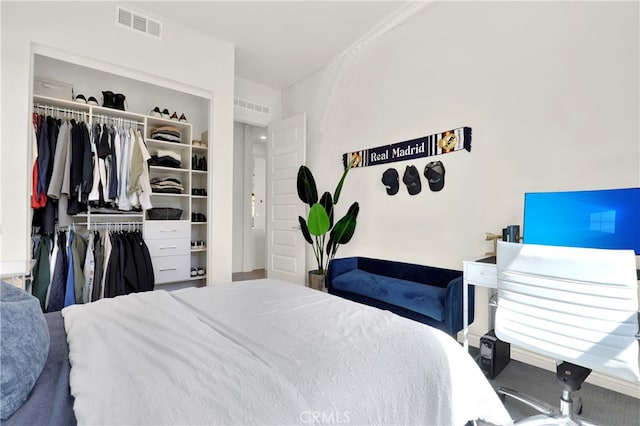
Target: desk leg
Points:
(465, 315)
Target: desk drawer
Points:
(167, 269)
(166, 229)
(169, 247)
(481, 274)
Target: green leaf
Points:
(305, 229)
(307, 190)
(344, 229)
(327, 202)
(318, 221)
(336, 193)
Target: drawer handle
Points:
(168, 247)
(168, 269)
(168, 230)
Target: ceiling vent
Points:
(252, 106)
(138, 22)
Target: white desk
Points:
(481, 273)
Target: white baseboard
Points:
(598, 379)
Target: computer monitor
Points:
(608, 219)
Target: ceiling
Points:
(278, 43)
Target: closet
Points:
(176, 229)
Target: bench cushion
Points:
(425, 299)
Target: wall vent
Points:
(138, 22)
(252, 106)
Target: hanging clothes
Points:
(69, 291)
(98, 262)
(89, 270)
(41, 271)
(59, 278)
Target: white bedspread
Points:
(266, 352)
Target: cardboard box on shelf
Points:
(52, 88)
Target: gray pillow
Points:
(24, 346)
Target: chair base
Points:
(559, 419)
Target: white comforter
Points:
(266, 352)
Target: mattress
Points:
(253, 352)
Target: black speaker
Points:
(494, 355)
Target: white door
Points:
(285, 244)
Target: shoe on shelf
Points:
(204, 164)
(194, 244)
(155, 112)
(202, 244)
(92, 101)
(200, 165)
(118, 101)
(194, 217)
(194, 162)
(107, 99)
(182, 118)
(81, 99)
(174, 116)
(165, 113)
(194, 272)
(201, 272)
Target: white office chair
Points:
(576, 305)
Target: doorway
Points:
(249, 192)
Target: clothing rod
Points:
(55, 108)
(110, 117)
(106, 223)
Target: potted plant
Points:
(320, 223)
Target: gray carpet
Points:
(600, 405)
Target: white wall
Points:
(259, 94)
(551, 91)
(86, 31)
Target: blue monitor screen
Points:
(608, 219)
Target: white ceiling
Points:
(278, 43)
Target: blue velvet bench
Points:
(426, 294)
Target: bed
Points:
(256, 352)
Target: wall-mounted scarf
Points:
(427, 146)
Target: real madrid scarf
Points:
(427, 146)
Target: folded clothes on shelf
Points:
(167, 133)
(165, 158)
(167, 185)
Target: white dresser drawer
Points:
(167, 269)
(163, 229)
(481, 274)
(168, 247)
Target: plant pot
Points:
(316, 280)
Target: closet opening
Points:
(175, 123)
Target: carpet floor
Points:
(600, 405)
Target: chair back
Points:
(578, 305)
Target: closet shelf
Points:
(199, 172)
(106, 215)
(92, 109)
(168, 169)
(167, 145)
(60, 103)
(160, 194)
(157, 121)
